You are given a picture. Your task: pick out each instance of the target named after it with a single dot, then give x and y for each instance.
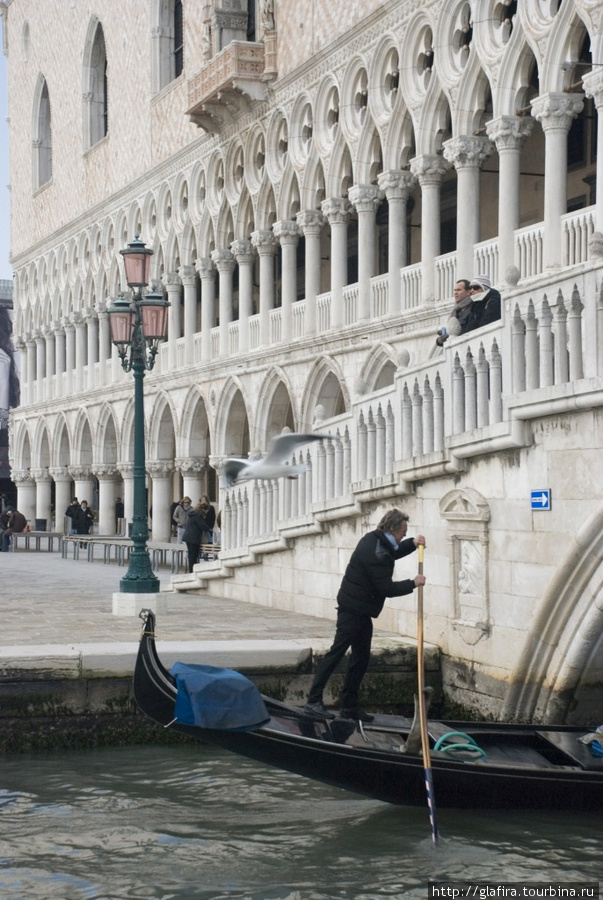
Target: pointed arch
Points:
(325, 387)
(42, 135)
(96, 105)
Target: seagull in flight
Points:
(274, 464)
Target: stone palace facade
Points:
(313, 178)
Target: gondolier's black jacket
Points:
(368, 578)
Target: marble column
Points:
(63, 492)
(83, 483)
(467, 155)
(69, 354)
(188, 278)
(30, 367)
(508, 133)
(161, 521)
(104, 342)
(336, 211)
(311, 223)
(593, 87)
(265, 243)
(40, 365)
(397, 186)
(26, 494)
(49, 354)
(171, 282)
(555, 112)
(366, 198)
(224, 262)
(81, 349)
(60, 359)
(107, 523)
(126, 470)
(43, 496)
(245, 256)
(287, 232)
(192, 470)
(206, 270)
(92, 342)
(429, 170)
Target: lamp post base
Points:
(128, 604)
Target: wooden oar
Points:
(422, 711)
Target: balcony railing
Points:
(227, 85)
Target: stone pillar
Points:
(555, 112)
(593, 87)
(40, 365)
(192, 470)
(396, 186)
(49, 354)
(367, 199)
(224, 262)
(69, 354)
(172, 286)
(30, 368)
(430, 171)
(104, 343)
(245, 256)
(467, 155)
(508, 133)
(107, 523)
(206, 270)
(43, 496)
(83, 483)
(265, 243)
(161, 520)
(336, 211)
(62, 496)
(26, 494)
(311, 223)
(287, 232)
(81, 349)
(188, 279)
(92, 349)
(126, 470)
(60, 361)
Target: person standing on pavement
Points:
(367, 581)
(84, 519)
(180, 516)
(71, 513)
(195, 528)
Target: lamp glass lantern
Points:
(137, 263)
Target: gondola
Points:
(474, 766)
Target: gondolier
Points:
(367, 581)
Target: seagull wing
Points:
(282, 446)
(231, 469)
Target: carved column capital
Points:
(243, 251)
(224, 260)
(336, 210)
(205, 267)
(80, 473)
(264, 241)
(191, 465)
(509, 132)
(396, 184)
(310, 221)
(366, 197)
(429, 168)
(286, 231)
(556, 111)
(187, 275)
(160, 468)
(465, 152)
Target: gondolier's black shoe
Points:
(359, 714)
(319, 710)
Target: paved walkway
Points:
(56, 611)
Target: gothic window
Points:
(42, 159)
(95, 95)
(168, 42)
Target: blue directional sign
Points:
(541, 499)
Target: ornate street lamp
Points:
(137, 327)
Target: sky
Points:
(5, 267)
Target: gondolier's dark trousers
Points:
(356, 631)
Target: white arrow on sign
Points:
(543, 499)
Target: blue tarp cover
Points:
(217, 698)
